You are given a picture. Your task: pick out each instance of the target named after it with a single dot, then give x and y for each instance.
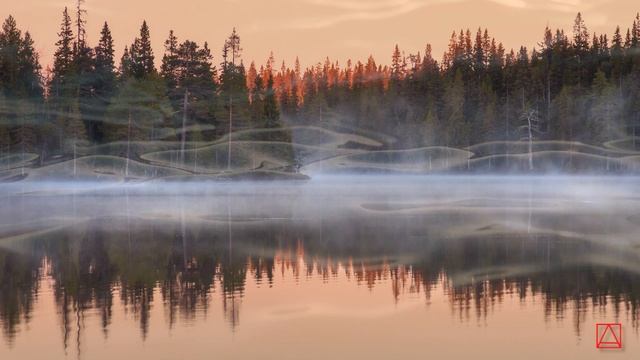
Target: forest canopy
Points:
(577, 86)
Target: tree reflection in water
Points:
(93, 264)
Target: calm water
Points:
(362, 267)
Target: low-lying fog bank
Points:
(335, 195)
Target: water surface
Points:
(359, 267)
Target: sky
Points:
(315, 29)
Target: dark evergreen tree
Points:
(233, 90)
(256, 109)
(169, 69)
(84, 75)
(20, 89)
(271, 112)
(141, 53)
(585, 87)
(196, 76)
(63, 60)
(10, 45)
(125, 69)
(104, 85)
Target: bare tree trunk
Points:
(530, 142)
(634, 131)
(608, 131)
(74, 159)
(183, 229)
(506, 129)
(184, 125)
(195, 159)
(229, 134)
(548, 100)
(126, 168)
(22, 149)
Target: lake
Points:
(374, 267)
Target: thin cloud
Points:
(361, 10)
(363, 5)
(88, 5)
(520, 4)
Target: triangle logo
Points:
(609, 336)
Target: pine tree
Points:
(29, 73)
(10, 44)
(143, 101)
(169, 68)
(233, 90)
(271, 112)
(580, 36)
(488, 116)
(256, 109)
(83, 54)
(125, 69)
(456, 130)
(20, 68)
(84, 76)
(104, 85)
(195, 75)
(20, 89)
(5, 139)
(142, 59)
(636, 31)
(600, 109)
(294, 96)
(565, 108)
(63, 59)
(104, 62)
(432, 126)
(479, 55)
(23, 132)
(252, 75)
(74, 128)
(141, 94)
(397, 70)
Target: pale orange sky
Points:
(314, 29)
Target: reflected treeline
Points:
(187, 268)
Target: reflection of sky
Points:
(312, 317)
(399, 265)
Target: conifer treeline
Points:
(583, 87)
(580, 87)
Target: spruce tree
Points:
(271, 112)
(617, 57)
(256, 108)
(105, 79)
(10, 46)
(142, 59)
(455, 132)
(196, 76)
(20, 88)
(580, 36)
(104, 61)
(397, 70)
(84, 74)
(233, 90)
(125, 70)
(169, 69)
(63, 59)
(29, 74)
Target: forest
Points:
(577, 86)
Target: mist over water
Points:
(156, 264)
(485, 205)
